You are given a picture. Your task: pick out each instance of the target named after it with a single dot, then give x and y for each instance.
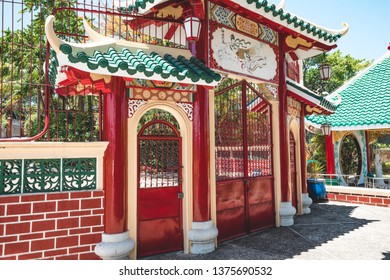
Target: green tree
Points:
(23, 53)
(343, 68)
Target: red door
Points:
(159, 189)
(293, 172)
(245, 196)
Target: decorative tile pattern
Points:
(187, 108)
(78, 174)
(232, 20)
(129, 63)
(47, 175)
(166, 95)
(293, 107)
(10, 176)
(134, 105)
(41, 175)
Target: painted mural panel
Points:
(240, 54)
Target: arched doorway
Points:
(293, 172)
(350, 159)
(159, 189)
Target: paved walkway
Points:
(333, 231)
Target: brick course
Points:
(51, 226)
(382, 201)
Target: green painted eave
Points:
(321, 101)
(365, 100)
(165, 66)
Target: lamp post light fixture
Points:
(192, 28)
(325, 128)
(325, 71)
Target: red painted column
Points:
(330, 164)
(114, 131)
(201, 157)
(201, 139)
(303, 149)
(283, 133)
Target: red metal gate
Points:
(245, 193)
(293, 172)
(159, 188)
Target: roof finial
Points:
(281, 4)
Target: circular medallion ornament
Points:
(177, 96)
(146, 94)
(162, 95)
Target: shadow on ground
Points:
(326, 222)
(386, 256)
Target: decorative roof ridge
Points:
(293, 21)
(141, 6)
(101, 41)
(362, 73)
(334, 98)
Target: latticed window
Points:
(159, 147)
(243, 132)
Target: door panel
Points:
(159, 185)
(245, 194)
(261, 204)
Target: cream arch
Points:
(294, 128)
(186, 134)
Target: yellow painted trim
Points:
(40, 150)
(186, 134)
(276, 159)
(294, 128)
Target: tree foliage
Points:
(343, 68)
(23, 53)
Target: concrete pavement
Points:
(333, 231)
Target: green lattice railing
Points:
(47, 175)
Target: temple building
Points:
(203, 134)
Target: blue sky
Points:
(369, 22)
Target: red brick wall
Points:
(61, 226)
(383, 201)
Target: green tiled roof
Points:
(365, 100)
(329, 103)
(124, 60)
(277, 13)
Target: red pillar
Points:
(303, 149)
(201, 157)
(201, 139)
(283, 133)
(114, 131)
(330, 164)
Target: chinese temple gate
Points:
(205, 137)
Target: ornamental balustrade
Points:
(22, 176)
(39, 167)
